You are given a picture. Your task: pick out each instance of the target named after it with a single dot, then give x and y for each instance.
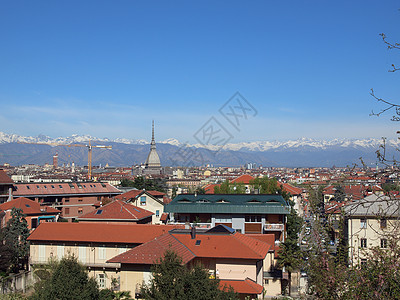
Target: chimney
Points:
(10, 196)
(193, 232)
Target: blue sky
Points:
(107, 68)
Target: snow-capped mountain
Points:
(75, 138)
(260, 146)
(15, 149)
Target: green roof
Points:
(228, 203)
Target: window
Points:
(363, 223)
(60, 251)
(66, 199)
(157, 213)
(102, 252)
(80, 200)
(383, 223)
(82, 254)
(143, 200)
(34, 223)
(383, 243)
(253, 219)
(42, 253)
(363, 262)
(101, 280)
(80, 210)
(223, 219)
(363, 243)
(66, 211)
(60, 186)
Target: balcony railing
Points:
(274, 227)
(189, 225)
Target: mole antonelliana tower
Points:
(152, 165)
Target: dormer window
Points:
(222, 201)
(184, 201)
(203, 201)
(253, 201)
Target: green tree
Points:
(67, 279)
(230, 188)
(340, 194)
(140, 182)
(6, 255)
(16, 233)
(290, 256)
(172, 280)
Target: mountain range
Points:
(304, 152)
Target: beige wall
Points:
(132, 277)
(272, 287)
(94, 257)
(236, 269)
(372, 232)
(91, 255)
(151, 205)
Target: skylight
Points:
(198, 242)
(99, 212)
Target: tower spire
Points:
(153, 141)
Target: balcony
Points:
(194, 224)
(274, 227)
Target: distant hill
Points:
(15, 150)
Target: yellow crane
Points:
(90, 147)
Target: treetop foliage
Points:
(66, 279)
(150, 184)
(173, 280)
(14, 237)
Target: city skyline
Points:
(107, 69)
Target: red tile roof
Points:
(210, 188)
(236, 246)
(5, 179)
(149, 253)
(62, 188)
(246, 286)
(99, 232)
(164, 217)
(290, 188)
(28, 207)
(117, 210)
(243, 179)
(266, 238)
(135, 193)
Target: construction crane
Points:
(90, 147)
